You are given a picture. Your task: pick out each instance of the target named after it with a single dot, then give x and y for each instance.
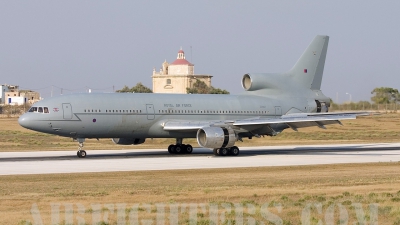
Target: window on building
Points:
(168, 81)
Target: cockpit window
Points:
(39, 109)
(33, 109)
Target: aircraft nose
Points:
(24, 121)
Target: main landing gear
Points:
(81, 153)
(180, 148)
(226, 151)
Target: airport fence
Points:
(365, 106)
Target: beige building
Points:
(11, 95)
(177, 76)
(30, 96)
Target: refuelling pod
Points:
(128, 141)
(216, 137)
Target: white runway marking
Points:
(13, 163)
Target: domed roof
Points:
(181, 62)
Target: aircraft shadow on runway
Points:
(142, 153)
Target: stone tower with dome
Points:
(177, 76)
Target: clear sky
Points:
(76, 45)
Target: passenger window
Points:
(46, 110)
(40, 110)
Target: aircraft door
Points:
(150, 111)
(278, 111)
(67, 111)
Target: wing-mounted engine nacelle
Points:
(216, 137)
(128, 141)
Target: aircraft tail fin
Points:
(309, 69)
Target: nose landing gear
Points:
(80, 153)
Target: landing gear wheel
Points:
(235, 151)
(215, 151)
(188, 149)
(178, 149)
(223, 152)
(81, 153)
(171, 149)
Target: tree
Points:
(218, 91)
(124, 89)
(385, 95)
(139, 88)
(199, 87)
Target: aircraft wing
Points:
(294, 121)
(301, 120)
(175, 125)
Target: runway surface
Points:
(47, 162)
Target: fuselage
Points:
(135, 115)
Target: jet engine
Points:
(257, 81)
(128, 141)
(216, 137)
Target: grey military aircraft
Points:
(270, 104)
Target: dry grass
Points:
(382, 128)
(292, 187)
